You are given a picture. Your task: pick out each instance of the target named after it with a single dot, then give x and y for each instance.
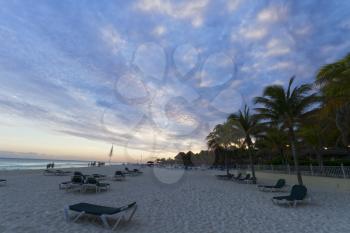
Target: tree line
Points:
(285, 124)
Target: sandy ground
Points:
(168, 201)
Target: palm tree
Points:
(221, 136)
(334, 81)
(244, 126)
(286, 108)
(275, 140)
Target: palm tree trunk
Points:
(226, 163)
(284, 157)
(295, 156)
(251, 161)
(319, 159)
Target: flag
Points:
(110, 155)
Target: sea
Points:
(29, 163)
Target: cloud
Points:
(191, 10)
(112, 38)
(253, 33)
(156, 75)
(273, 13)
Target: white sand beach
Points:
(170, 201)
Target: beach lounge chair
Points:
(243, 179)
(93, 184)
(99, 176)
(239, 176)
(251, 180)
(102, 212)
(62, 173)
(3, 182)
(137, 171)
(297, 195)
(76, 183)
(225, 177)
(77, 173)
(119, 176)
(49, 172)
(130, 173)
(280, 186)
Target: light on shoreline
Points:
(326, 148)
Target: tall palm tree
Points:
(245, 126)
(221, 136)
(334, 81)
(286, 107)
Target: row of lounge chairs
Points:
(297, 194)
(84, 183)
(121, 175)
(239, 178)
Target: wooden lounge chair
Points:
(280, 186)
(102, 212)
(297, 195)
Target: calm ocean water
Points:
(22, 164)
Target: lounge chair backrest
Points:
(280, 183)
(77, 179)
(91, 180)
(119, 173)
(298, 192)
(247, 177)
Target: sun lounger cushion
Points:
(97, 209)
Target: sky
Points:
(150, 77)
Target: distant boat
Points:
(110, 155)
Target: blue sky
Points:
(150, 76)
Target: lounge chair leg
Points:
(78, 216)
(66, 213)
(104, 220)
(294, 203)
(117, 223)
(132, 213)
